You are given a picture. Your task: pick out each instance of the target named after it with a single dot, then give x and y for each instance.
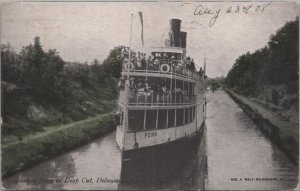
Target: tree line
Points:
(274, 64)
(38, 77)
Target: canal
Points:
(232, 154)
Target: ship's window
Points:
(150, 119)
(179, 117)
(193, 89)
(194, 113)
(136, 119)
(162, 119)
(191, 115)
(186, 115)
(171, 118)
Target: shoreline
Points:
(278, 131)
(28, 153)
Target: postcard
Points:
(149, 95)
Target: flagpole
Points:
(130, 43)
(204, 67)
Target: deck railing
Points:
(136, 98)
(175, 70)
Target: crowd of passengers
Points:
(141, 61)
(158, 91)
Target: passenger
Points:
(121, 84)
(143, 60)
(178, 95)
(134, 59)
(186, 97)
(165, 90)
(200, 71)
(156, 63)
(125, 61)
(173, 63)
(148, 92)
(165, 57)
(140, 85)
(139, 62)
(178, 91)
(193, 67)
(188, 64)
(132, 85)
(179, 67)
(147, 87)
(149, 63)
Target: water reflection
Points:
(100, 159)
(237, 149)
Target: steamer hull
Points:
(162, 108)
(155, 163)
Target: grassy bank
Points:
(37, 148)
(283, 133)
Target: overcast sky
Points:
(82, 31)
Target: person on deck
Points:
(139, 61)
(192, 66)
(156, 63)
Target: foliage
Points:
(276, 63)
(42, 83)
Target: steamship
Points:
(162, 102)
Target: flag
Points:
(142, 32)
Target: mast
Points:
(204, 67)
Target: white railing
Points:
(175, 71)
(151, 98)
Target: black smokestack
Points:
(174, 33)
(183, 39)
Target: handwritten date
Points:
(201, 10)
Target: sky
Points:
(83, 31)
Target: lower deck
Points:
(129, 139)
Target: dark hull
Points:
(156, 164)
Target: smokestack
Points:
(174, 33)
(183, 39)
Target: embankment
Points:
(284, 135)
(44, 146)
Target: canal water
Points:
(232, 155)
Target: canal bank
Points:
(281, 132)
(232, 147)
(35, 149)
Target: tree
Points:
(276, 63)
(113, 64)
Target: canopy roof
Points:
(168, 49)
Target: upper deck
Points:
(180, 74)
(164, 62)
